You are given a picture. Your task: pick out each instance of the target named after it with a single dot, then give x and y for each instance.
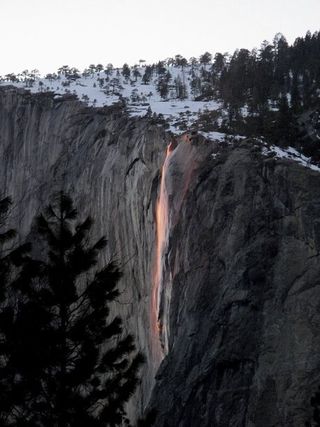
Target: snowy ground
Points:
(101, 89)
(104, 88)
(291, 154)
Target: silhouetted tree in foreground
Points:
(11, 257)
(74, 366)
(315, 403)
(148, 420)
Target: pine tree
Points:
(163, 85)
(295, 95)
(195, 85)
(126, 71)
(284, 129)
(10, 258)
(136, 73)
(5, 237)
(147, 75)
(180, 87)
(206, 58)
(315, 403)
(76, 366)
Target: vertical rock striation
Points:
(110, 165)
(244, 316)
(238, 300)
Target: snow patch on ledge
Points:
(220, 136)
(213, 136)
(99, 89)
(291, 154)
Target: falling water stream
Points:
(169, 206)
(162, 236)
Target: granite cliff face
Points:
(110, 166)
(234, 320)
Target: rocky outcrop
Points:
(110, 165)
(244, 310)
(239, 299)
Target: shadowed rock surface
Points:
(241, 295)
(244, 313)
(110, 166)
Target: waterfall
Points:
(177, 172)
(162, 236)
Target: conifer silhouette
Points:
(76, 366)
(11, 257)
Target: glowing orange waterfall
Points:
(177, 172)
(162, 227)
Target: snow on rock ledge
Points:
(291, 154)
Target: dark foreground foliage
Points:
(65, 360)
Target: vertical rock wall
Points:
(244, 318)
(239, 303)
(110, 166)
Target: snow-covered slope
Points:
(169, 92)
(106, 87)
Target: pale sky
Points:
(46, 34)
